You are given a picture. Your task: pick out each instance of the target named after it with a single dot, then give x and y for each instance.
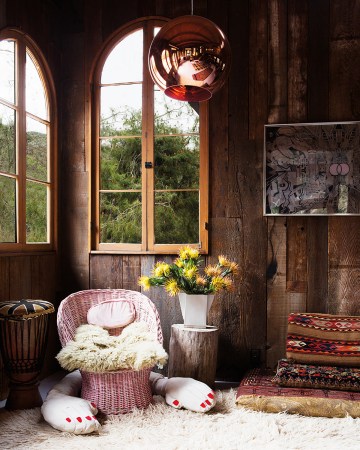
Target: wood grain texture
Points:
(193, 353)
(277, 298)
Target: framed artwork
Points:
(312, 169)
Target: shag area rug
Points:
(162, 427)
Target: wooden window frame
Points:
(147, 246)
(24, 42)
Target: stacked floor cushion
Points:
(320, 375)
(292, 374)
(258, 392)
(323, 339)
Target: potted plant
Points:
(195, 286)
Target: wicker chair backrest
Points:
(73, 310)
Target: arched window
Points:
(26, 146)
(150, 190)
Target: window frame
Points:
(147, 245)
(23, 43)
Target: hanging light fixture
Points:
(189, 58)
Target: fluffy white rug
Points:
(162, 427)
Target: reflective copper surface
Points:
(189, 58)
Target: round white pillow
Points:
(110, 314)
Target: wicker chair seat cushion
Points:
(111, 314)
(323, 339)
(24, 309)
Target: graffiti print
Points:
(312, 169)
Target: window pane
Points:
(120, 217)
(175, 221)
(36, 212)
(7, 72)
(176, 162)
(7, 140)
(120, 163)
(173, 116)
(36, 102)
(36, 150)
(124, 63)
(8, 209)
(121, 110)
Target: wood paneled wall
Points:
(293, 61)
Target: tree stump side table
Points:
(23, 337)
(193, 353)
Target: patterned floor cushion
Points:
(258, 392)
(323, 339)
(293, 374)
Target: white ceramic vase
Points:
(195, 309)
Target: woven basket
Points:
(117, 392)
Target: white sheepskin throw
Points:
(94, 350)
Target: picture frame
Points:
(312, 169)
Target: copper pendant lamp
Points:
(189, 58)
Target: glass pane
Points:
(7, 140)
(7, 72)
(8, 209)
(36, 212)
(36, 101)
(124, 63)
(173, 116)
(177, 162)
(36, 150)
(176, 217)
(120, 162)
(121, 110)
(120, 218)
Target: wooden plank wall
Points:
(292, 61)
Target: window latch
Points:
(148, 165)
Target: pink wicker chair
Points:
(119, 391)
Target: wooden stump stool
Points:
(193, 353)
(23, 333)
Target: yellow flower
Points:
(179, 262)
(201, 281)
(234, 268)
(144, 282)
(188, 253)
(212, 271)
(190, 272)
(227, 284)
(219, 283)
(172, 287)
(161, 269)
(223, 261)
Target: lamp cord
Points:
(192, 7)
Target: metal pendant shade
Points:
(189, 58)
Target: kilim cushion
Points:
(258, 392)
(24, 309)
(323, 339)
(297, 375)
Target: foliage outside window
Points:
(151, 163)
(26, 186)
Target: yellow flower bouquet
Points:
(184, 274)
